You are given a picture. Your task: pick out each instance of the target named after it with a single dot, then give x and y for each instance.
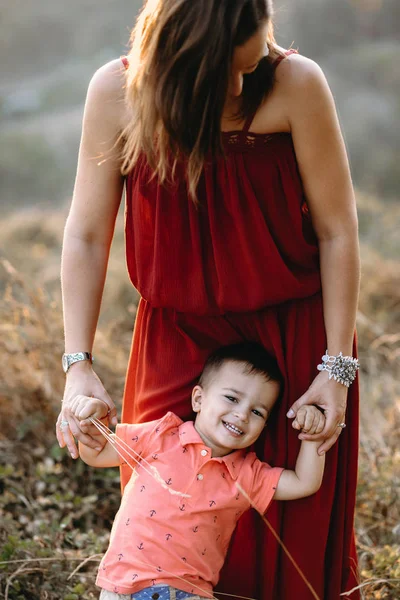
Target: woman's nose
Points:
(237, 84)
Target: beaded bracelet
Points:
(341, 368)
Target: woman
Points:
(240, 224)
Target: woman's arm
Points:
(325, 173)
(87, 239)
(97, 195)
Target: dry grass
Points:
(39, 487)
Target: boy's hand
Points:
(309, 419)
(104, 454)
(84, 410)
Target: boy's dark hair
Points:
(253, 355)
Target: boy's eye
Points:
(231, 398)
(257, 412)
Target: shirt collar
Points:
(189, 435)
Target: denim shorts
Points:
(156, 592)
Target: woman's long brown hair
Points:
(178, 77)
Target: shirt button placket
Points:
(203, 453)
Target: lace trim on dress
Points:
(248, 140)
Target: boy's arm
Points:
(306, 479)
(106, 457)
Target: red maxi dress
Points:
(243, 266)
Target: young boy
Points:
(181, 505)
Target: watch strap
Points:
(70, 359)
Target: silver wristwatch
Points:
(70, 359)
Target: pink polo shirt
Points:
(177, 532)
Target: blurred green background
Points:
(51, 48)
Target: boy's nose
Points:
(242, 415)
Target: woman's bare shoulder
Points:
(294, 78)
(302, 88)
(106, 93)
(297, 72)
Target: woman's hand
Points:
(331, 396)
(81, 386)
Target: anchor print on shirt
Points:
(204, 551)
(152, 513)
(182, 507)
(153, 581)
(134, 576)
(141, 546)
(120, 556)
(135, 439)
(184, 449)
(127, 522)
(159, 569)
(215, 518)
(154, 456)
(211, 503)
(168, 481)
(168, 536)
(143, 487)
(195, 529)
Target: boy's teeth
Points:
(233, 428)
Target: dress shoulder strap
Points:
(125, 61)
(248, 122)
(282, 57)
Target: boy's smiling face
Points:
(233, 407)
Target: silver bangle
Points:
(341, 368)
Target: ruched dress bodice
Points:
(249, 243)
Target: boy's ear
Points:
(196, 398)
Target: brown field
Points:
(60, 511)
